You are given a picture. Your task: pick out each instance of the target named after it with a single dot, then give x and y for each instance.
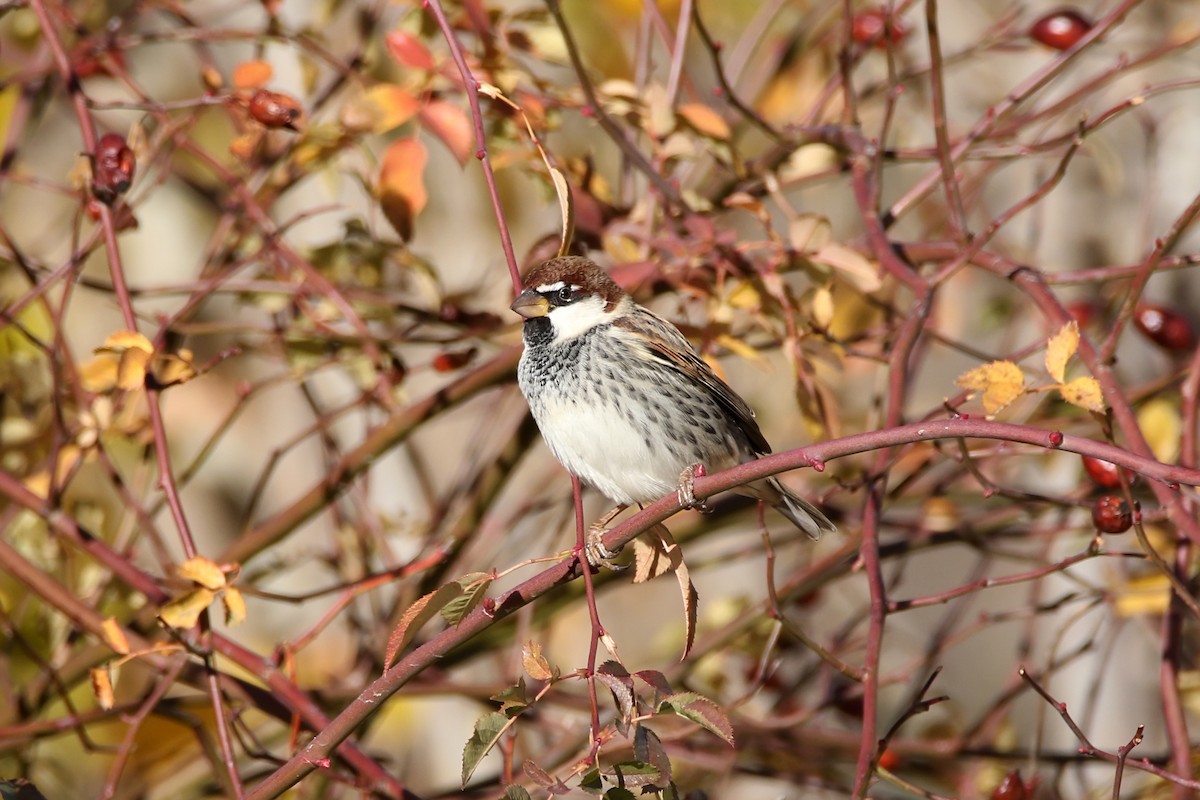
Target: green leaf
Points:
(474, 587)
(617, 793)
(513, 700)
(488, 730)
(515, 792)
(702, 711)
(415, 617)
(591, 782)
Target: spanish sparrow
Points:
(624, 401)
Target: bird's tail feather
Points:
(801, 513)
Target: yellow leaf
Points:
(1000, 381)
(535, 663)
(99, 374)
(184, 611)
(1059, 350)
(169, 369)
(822, 307)
(114, 637)
(1085, 393)
(1161, 425)
(252, 74)
(102, 687)
(705, 120)
(389, 107)
(126, 340)
(745, 296)
(235, 606)
(203, 571)
(401, 184)
(1148, 595)
(740, 348)
(131, 369)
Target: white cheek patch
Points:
(579, 317)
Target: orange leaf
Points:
(450, 125)
(102, 686)
(409, 50)
(252, 74)
(401, 188)
(706, 121)
(389, 107)
(114, 637)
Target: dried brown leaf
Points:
(415, 617)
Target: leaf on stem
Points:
(537, 665)
(652, 560)
(114, 637)
(1059, 350)
(1000, 381)
(415, 617)
(102, 687)
(474, 587)
(1084, 392)
(203, 571)
(184, 611)
(488, 730)
(702, 711)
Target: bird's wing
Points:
(654, 337)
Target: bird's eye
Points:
(563, 295)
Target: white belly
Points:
(609, 451)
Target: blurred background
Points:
(285, 200)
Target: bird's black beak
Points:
(530, 304)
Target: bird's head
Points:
(570, 294)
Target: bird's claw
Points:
(596, 553)
(686, 493)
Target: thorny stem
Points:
(471, 86)
(580, 555)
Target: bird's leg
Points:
(686, 489)
(597, 554)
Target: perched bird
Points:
(624, 401)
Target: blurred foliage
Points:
(260, 439)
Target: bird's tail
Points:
(803, 514)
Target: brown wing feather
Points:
(662, 341)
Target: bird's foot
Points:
(686, 493)
(594, 551)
